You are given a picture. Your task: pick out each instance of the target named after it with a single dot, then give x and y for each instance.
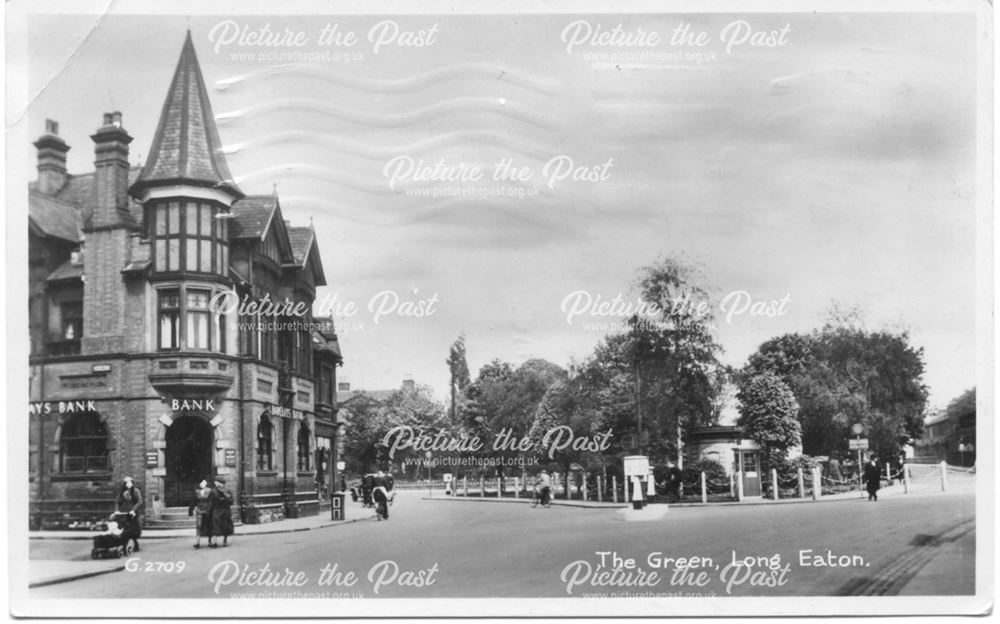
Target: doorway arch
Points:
(189, 458)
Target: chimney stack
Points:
(408, 384)
(51, 159)
(111, 177)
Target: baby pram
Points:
(114, 541)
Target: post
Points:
(732, 485)
(802, 484)
(888, 473)
(585, 486)
(500, 488)
(600, 493)
(517, 487)
(614, 488)
(739, 486)
(817, 483)
(774, 483)
(482, 486)
(944, 477)
(704, 488)
(906, 479)
(861, 482)
(465, 484)
(569, 493)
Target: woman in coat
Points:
(222, 515)
(202, 504)
(873, 478)
(129, 503)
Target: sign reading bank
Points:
(61, 407)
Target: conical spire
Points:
(186, 147)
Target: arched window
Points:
(304, 455)
(83, 444)
(265, 444)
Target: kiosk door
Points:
(751, 473)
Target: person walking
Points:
(672, 481)
(873, 478)
(129, 504)
(222, 515)
(202, 504)
(380, 493)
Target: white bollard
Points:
(944, 477)
(739, 486)
(774, 483)
(888, 474)
(817, 483)
(732, 485)
(704, 488)
(482, 487)
(517, 487)
(802, 484)
(600, 490)
(614, 488)
(906, 479)
(585, 486)
(465, 484)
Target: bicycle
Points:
(544, 497)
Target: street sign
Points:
(447, 477)
(859, 444)
(230, 457)
(152, 459)
(857, 429)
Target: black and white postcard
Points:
(528, 309)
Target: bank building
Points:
(142, 364)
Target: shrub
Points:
(714, 472)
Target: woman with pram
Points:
(128, 505)
(202, 505)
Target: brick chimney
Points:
(51, 159)
(111, 173)
(409, 385)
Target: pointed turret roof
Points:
(186, 147)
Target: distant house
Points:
(947, 438)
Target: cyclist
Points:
(543, 487)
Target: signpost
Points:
(859, 444)
(430, 486)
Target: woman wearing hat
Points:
(129, 503)
(202, 503)
(222, 515)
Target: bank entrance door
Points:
(751, 473)
(188, 457)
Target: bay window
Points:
(186, 320)
(188, 236)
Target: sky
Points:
(837, 165)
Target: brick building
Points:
(145, 359)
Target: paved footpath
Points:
(50, 571)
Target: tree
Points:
(370, 419)
(664, 370)
(842, 374)
(768, 412)
(503, 401)
(459, 371)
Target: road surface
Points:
(462, 549)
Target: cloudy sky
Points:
(837, 166)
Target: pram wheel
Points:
(126, 550)
(94, 553)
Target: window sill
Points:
(267, 473)
(90, 476)
(306, 473)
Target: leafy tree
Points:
(843, 374)
(665, 369)
(503, 401)
(370, 419)
(768, 411)
(459, 371)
